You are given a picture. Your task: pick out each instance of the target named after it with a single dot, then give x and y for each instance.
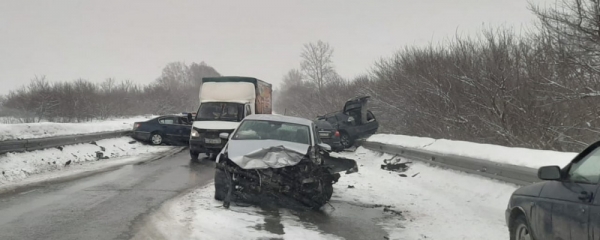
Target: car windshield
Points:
(220, 111)
(272, 130)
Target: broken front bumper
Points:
(306, 183)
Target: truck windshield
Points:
(220, 111)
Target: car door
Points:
(352, 124)
(595, 217)
(169, 127)
(573, 197)
(370, 127)
(185, 129)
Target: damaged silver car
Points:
(277, 158)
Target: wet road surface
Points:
(116, 205)
(349, 221)
(110, 205)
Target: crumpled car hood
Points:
(262, 154)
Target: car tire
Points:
(221, 185)
(194, 156)
(345, 140)
(520, 229)
(156, 138)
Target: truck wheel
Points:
(345, 140)
(221, 185)
(194, 156)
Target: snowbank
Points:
(18, 166)
(436, 203)
(517, 156)
(50, 129)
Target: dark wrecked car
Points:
(272, 158)
(353, 122)
(329, 135)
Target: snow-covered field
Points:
(15, 167)
(50, 129)
(517, 156)
(431, 203)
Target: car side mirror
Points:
(549, 173)
(224, 135)
(324, 146)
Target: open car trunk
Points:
(279, 175)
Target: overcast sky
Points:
(66, 40)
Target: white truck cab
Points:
(224, 102)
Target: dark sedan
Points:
(329, 135)
(564, 206)
(173, 129)
(353, 122)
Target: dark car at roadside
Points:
(329, 135)
(171, 129)
(354, 122)
(565, 205)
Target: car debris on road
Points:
(395, 164)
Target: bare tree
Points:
(202, 70)
(292, 78)
(81, 100)
(317, 64)
(498, 88)
(572, 27)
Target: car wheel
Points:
(520, 229)
(345, 140)
(194, 156)
(156, 138)
(221, 185)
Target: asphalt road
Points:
(117, 204)
(109, 205)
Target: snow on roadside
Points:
(15, 167)
(532, 158)
(437, 203)
(197, 215)
(51, 129)
(426, 203)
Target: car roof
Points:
(279, 118)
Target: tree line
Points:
(536, 90)
(175, 91)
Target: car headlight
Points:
(195, 133)
(314, 155)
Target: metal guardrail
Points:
(50, 142)
(505, 172)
